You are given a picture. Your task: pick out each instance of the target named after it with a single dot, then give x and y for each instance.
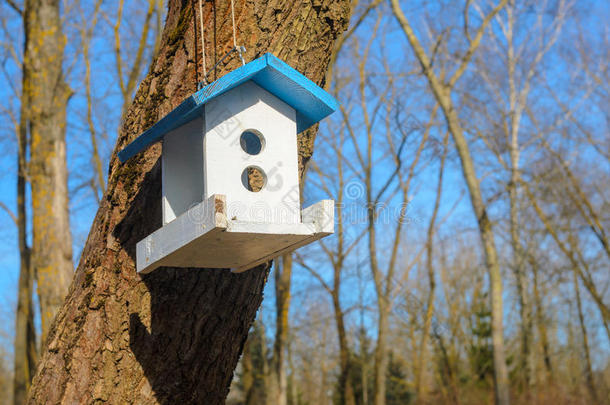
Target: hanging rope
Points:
(233, 19)
(239, 49)
(202, 40)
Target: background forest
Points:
(469, 161)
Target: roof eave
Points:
(311, 102)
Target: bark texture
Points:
(47, 97)
(173, 336)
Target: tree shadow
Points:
(199, 318)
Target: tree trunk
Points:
(518, 264)
(590, 380)
(364, 354)
(346, 390)
(175, 335)
(283, 275)
(541, 323)
(47, 97)
(293, 378)
(25, 333)
(381, 353)
(516, 106)
(420, 394)
(247, 375)
(501, 382)
(448, 376)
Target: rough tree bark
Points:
(47, 96)
(173, 336)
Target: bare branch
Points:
(15, 7)
(343, 39)
(301, 262)
(474, 44)
(466, 31)
(86, 35)
(9, 212)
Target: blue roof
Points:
(310, 101)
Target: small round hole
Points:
(251, 142)
(253, 178)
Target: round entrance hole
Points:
(253, 178)
(252, 142)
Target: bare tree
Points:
(129, 76)
(25, 352)
(282, 276)
(442, 87)
(523, 58)
(24, 345)
(25, 333)
(333, 184)
(420, 394)
(129, 66)
(573, 254)
(47, 96)
(380, 187)
(588, 371)
(86, 33)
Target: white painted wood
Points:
(167, 244)
(204, 237)
(320, 221)
(249, 107)
(321, 216)
(182, 169)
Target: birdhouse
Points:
(230, 178)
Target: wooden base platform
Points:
(204, 237)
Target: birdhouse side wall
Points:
(249, 108)
(182, 169)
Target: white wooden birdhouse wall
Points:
(230, 182)
(248, 127)
(182, 177)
